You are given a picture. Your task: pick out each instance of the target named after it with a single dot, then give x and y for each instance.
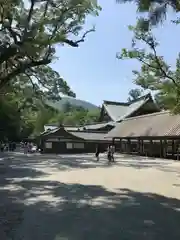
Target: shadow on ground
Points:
(58, 162)
(141, 162)
(85, 161)
(46, 210)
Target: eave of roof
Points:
(159, 124)
(82, 135)
(90, 136)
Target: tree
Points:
(30, 31)
(157, 10)
(93, 116)
(155, 73)
(75, 116)
(9, 119)
(134, 94)
(43, 116)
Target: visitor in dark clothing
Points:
(109, 153)
(97, 152)
(2, 147)
(13, 146)
(10, 146)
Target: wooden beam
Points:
(173, 145)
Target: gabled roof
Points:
(118, 111)
(78, 135)
(150, 125)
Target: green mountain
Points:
(73, 101)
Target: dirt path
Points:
(73, 197)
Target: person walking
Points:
(25, 148)
(112, 152)
(2, 147)
(97, 152)
(109, 153)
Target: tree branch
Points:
(13, 34)
(76, 43)
(7, 53)
(39, 80)
(152, 46)
(33, 85)
(21, 69)
(29, 18)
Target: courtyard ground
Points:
(72, 197)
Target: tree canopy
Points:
(30, 32)
(134, 94)
(75, 116)
(157, 10)
(155, 74)
(22, 116)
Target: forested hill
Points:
(73, 101)
(21, 118)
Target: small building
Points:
(62, 141)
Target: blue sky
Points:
(92, 70)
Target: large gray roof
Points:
(150, 125)
(119, 111)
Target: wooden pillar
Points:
(139, 146)
(129, 145)
(142, 146)
(172, 149)
(120, 145)
(165, 149)
(161, 148)
(177, 151)
(125, 146)
(151, 148)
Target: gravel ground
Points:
(73, 197)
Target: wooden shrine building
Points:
(63, 141)
(156, 135)
(73, 139)
(118, 111)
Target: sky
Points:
(92, 70)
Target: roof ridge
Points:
(127, 103)
(85, 131)
(115, 103)
(147, 115)
(104, 122)
(52, 124)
